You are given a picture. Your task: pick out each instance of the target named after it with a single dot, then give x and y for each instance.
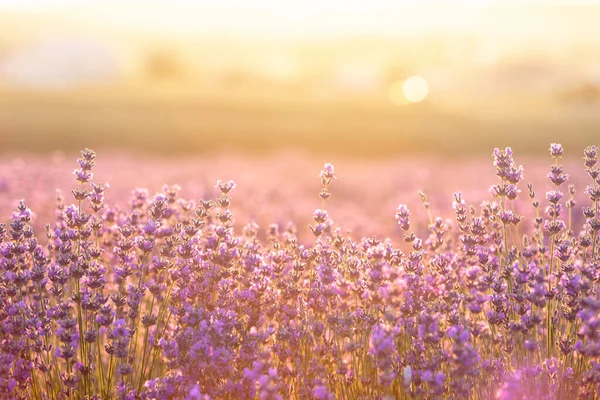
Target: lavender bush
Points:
(169, 298)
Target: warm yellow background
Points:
(370, 77)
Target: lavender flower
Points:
(157, 296)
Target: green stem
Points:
(143, 363)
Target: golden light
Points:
(415, 89)
(411, 90)
(396, 94)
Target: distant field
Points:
(191, 124)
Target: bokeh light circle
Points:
(415, 89)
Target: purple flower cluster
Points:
(171, 298)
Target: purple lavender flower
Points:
(403, 217)
(556, 150)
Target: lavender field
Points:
(248, 278)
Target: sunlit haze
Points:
(289, 18)
(498, 60)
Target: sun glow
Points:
(415, 89)
(411, 90)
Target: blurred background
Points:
(350, 77)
